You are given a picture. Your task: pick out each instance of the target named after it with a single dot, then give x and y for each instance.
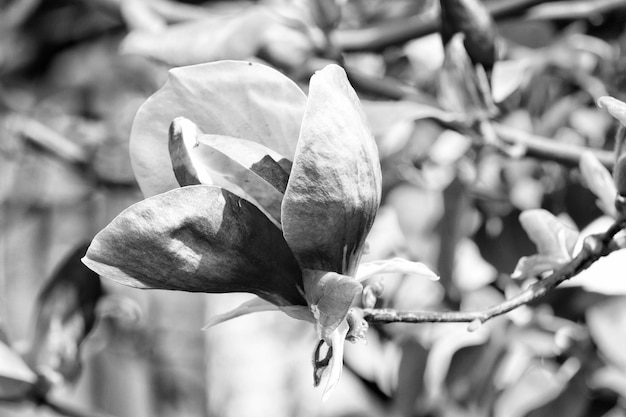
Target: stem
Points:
(544, 148)
(399, 31)
(594, 248)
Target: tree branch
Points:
(400, 31)
(547, 149)
(594, 247)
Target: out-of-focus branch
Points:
(400, 31)
(594, 247)
(544, 148)
(41, 135)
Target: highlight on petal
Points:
(367, 270)
(330, 296)
(243, 167)
(231, 98)
(335, 184)
(199, 239)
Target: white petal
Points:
(396, 265)
(337, 341)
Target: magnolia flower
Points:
(266, 191)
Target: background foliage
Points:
(457, 170)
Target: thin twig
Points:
(594, 248)
(544, 148)
(400, 31)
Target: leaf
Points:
(16, 378)
(66, 314)
(462, 87)
(509, 77)
(552, 237)
(231, 98)
(199, 239)
(614, 107)
(532, 266)
(471, 18)
(599, 180)
(241, 166)
(607, 324)
(334, 189)
(233, 36)
(544, 390)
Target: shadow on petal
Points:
(199, 239)
(334, 188)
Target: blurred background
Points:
(470, 134)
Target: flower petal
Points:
(241, 166)
(233, 98)
(335, 183)
(257, 305)
(394, 266)
(338, 338)
(200, 239)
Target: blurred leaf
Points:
(544, 390)
(607, 324)
(455, 338)
(139, 15)
(599, 180)
(609, 377)
(281, 35)
(469, 379)
(555, 242)
(198, 239)
(16, 378)
(247, 101)
(462, 87)
(410, 392)
(235, 36)
(508, 77)
(65, 316)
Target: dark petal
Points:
(200, 239)
(334, 188)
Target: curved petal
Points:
(257, 305)
(334, 188)
(337, 340)
(241, 166)
(394, 266)
(232, 98)
(200, 239)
